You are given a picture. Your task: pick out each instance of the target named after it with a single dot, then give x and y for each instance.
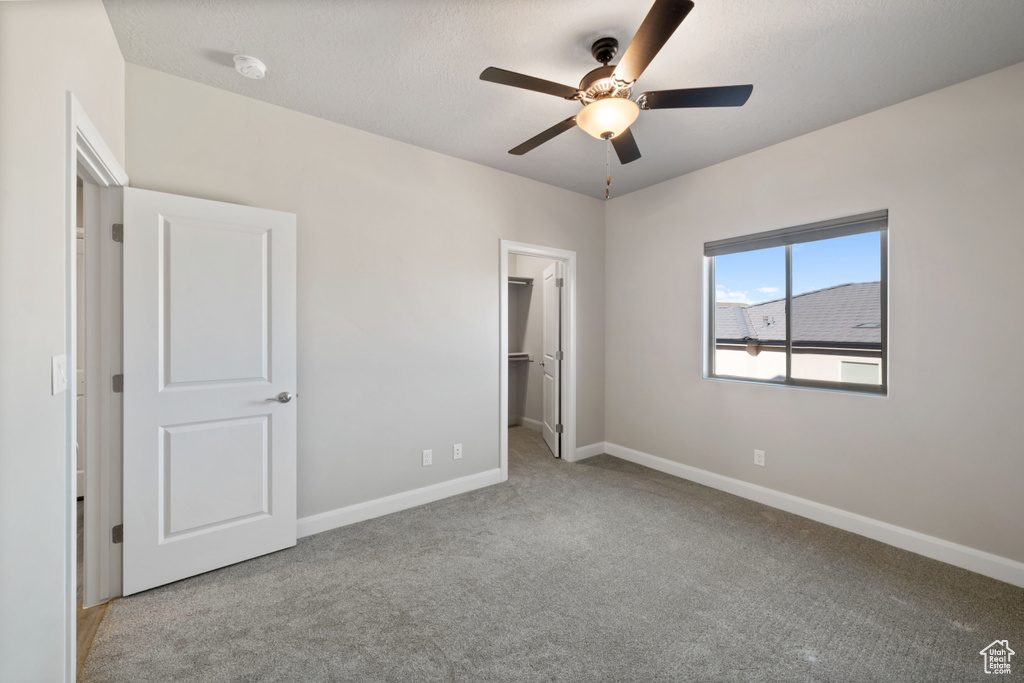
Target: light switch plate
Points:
(59, 375)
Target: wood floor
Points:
(88, 619)
(88, 623)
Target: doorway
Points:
(535, 347)
(97, 435)
(537, 366)
(87, 618)
(92, 349)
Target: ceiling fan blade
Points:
(625, 147)
(538, 140)
(724, 96)
(661, 22)
(496, 75)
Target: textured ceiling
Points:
(409, 69)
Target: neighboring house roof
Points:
(731, 322)
(831, 317)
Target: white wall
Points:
(942, 454)
(45, 49)
(398, 260)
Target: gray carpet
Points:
(596, 571)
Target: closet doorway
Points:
(535, 347)
(538, 346)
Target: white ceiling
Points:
(409, 69)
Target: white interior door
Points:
(209, 337)
(552, 364)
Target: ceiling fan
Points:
(608, 111)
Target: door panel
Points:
(216, 329)
(214, 473)
(209, 335)
(552, 362)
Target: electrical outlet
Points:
(428, 457)
(457, 451)
(759, 458)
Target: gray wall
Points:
(398, 260)
(45, 49)
(942, 454)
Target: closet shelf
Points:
(514, 280)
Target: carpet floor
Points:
(595, 571)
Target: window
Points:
(801, 306)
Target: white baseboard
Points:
(590, 451)
(979, 561)
(332, 519)
(535, 425)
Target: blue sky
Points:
(755, 276)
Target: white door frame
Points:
(88, 154)
(568, 258)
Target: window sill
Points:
(840, 387)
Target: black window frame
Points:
(875, 221)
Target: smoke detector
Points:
(250, 67)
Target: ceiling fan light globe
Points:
(608, 115)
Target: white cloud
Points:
(725, 295)
(722, 295)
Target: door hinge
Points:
(559, 355)
(559, 282)
(117, 232)
(117, 534)
(117, 383)
(558, 429)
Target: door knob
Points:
(283, 397)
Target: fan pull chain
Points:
(608, 167)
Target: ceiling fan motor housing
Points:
(599, 84)
(604, 49)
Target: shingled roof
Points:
(834, 317)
